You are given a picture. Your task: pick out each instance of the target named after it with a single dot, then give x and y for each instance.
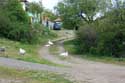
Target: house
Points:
(45, 20)
(34, 18)
(24, 4)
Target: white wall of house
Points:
(23, 6)
(35, 18)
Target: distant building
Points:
(24, 4)
(45, 20)
(33, 17)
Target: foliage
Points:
(67, 14)
(71, 11)
(96, 35)
(15, 11)
(72, 47)
(14, 23)
(50, 14)
(87, 37)
(35, 7)
(110, 35)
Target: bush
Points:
(111, 35)
(87, 37)
(5, 24)
(104, 36)
(14, 24)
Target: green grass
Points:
(12, 51)
(31, 76)
(54, 50)
(69, 45)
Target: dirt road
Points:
(84, 71)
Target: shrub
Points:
(14, 24)
(105, 36)
(87, 37)
(5, 24)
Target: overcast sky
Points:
(49, 4)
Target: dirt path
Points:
(84, 71)
(79, 70)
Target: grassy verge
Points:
(54, 50)
(69, 45)
(105, 59)
(12, 51)
(23, 76)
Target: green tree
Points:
(72, 10)
(67, 14)
(49, 14)
(14, 23)
(104, 35)
(16, 11)
(35, 7)
(110, 30)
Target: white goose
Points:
(50, 43)
(64, 54)
(22, 51)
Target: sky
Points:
(49, 4)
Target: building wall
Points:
(23, 6)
